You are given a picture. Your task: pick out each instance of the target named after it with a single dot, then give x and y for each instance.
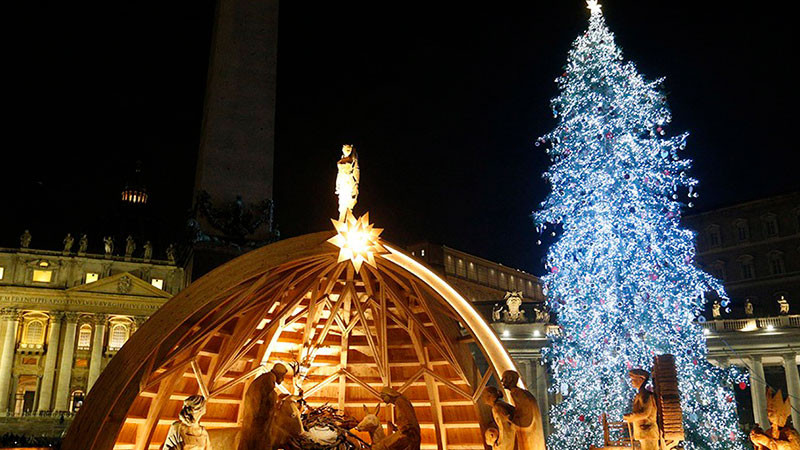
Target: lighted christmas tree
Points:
(622, 278)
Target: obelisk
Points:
(233, 183)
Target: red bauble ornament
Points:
(742, 385)
(581, 418)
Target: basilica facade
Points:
(63, 315)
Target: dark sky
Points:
(443, 103)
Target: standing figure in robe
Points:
(260, 404)
(504, 436)
(527, 416)
(187, 433)
(644, 415)
(406, 435)
(347, 180)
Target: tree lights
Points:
(622, 278)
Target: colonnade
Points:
(54, 382)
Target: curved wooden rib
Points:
(291, 301)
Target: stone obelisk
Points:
(233, 184)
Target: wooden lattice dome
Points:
(353, 332)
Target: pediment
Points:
(121, 284)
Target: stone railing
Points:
(753, 323)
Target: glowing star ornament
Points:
(593, 6)
(357, 240)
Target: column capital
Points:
(72, 317)
(56, 316)
(10, 314)
(790, 356)
(755, 358)
(99, 319)
(139, 320)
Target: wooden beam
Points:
(482, 385)
(198, 375)
(361, 383)
(144, 432)
(430, 386)
(322, 384)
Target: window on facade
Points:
(448, 264)
(472, 274)
(422, 253)
(461, 269)
(157, 282)
(714, 238)
(42, 276)
(776, 263)
(748, 268)
(119, 334)
(742, 231)
(503, 281)
(91, 277)
(483, 275)
(85, 337)
(2, 272)
(34, 332)
(796, 217)
(770, 225)
(76, 401)
(718, 270)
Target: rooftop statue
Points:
(347, 180)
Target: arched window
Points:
(742, 230)
(85, 337)
(776, 264)
(76, 400)
(747, 267)
(714, 236)
(770, 225)
(718, 270)
(119, 335)
(34, 332)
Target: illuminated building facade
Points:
(64, 315)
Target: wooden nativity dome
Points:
(352, 332)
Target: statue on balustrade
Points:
(68, 242)
(780, 436)
(503, 436)
(187, 433)
(260, 404)
(108, 246)
(130, 246)
(83, 244)
(25, 239)
(644, 415)
(527, 416)
(406, 434)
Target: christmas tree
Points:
(621, 275)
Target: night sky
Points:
(442, 103)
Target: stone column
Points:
(96, 362)
(525, 365)
(49, 374)
(543, 397)
(793, 385)
(65, 366)
(11, 318)
(758, 391)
